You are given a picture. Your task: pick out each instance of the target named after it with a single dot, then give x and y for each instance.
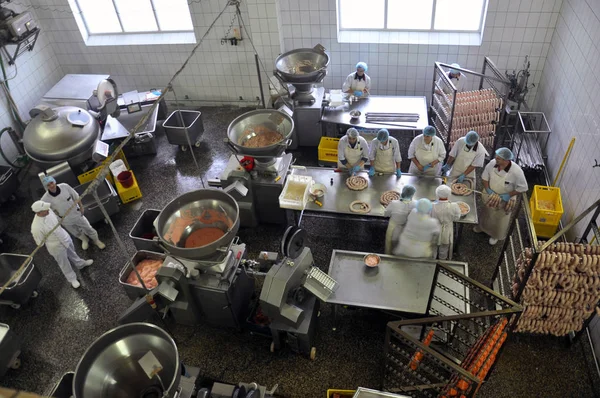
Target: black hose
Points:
(5, 129)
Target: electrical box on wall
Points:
(16, 29)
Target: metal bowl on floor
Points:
(302, 65)
(110, 367)
(254, 123)
(198, 206)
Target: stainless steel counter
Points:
(338, 197)
(397, 284)
(379, 103)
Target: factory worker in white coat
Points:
(398, 211)
(465, 156)
(385, 154)
(457, 78)
(59, 243)
(420, 234)
(358, 83)
(506, 179)
(426, 153)
(353, 151)
(61, 197)
(446, 213)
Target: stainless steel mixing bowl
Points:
(303, 65)
(242, 128)
(110, 369)
(197, 202)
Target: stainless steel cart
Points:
(24, 286)
(176, 131)
(108, 197)
(10, 349)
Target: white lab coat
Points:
(59, 244)
(496, 221)
(75, 222)
(352, 155)
(446, 213)
(418, 237)
(464, 157)
(425, 154)
(397, 211)
(356, 85)
(384, 157)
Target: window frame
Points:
(430, 30)
(123, 32)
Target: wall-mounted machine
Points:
(16, 29)
(301, 71)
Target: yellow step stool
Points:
(129, 194)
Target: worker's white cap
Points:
(443, 192)
(40, 205)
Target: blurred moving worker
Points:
(420, 234)
(457, 78)
(398, 211)
(353, 151)
(503, 179)
(385, 154)
(59, 243)
(358, 83)
(465, 156)
(426, 152)
(446, 213)
(61, 197)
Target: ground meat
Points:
(147, 269)
(202, 237)
(208, 216)
(260, 136)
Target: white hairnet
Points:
(424, 206)
(454, 71)
(443, 192)
(352, 132)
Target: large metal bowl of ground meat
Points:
(197, 224)
(264, 132)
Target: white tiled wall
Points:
(217, 73)
(514, 28)
(34, 74)
(569, 95)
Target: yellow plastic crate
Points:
(545, 230)
(328, 152)
(330, 392)
(129, 194)
(91, 174)
(539, 214)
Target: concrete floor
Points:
(57, 327)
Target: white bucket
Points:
(117, 167)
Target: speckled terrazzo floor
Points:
(57, 327)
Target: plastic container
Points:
(538, 213)
(125, 178)
(135, 291)
(91, 174)
(175, 131)
(129, 194)
(545, 230)
(117, 167)
(295, 193)
(142, 231)
(327, 150)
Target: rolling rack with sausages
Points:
(556, 282)
(452, 352)
(456, 113)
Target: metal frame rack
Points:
(443, 106)
(525, 142)
(465, 333)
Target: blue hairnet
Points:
(352, 132)
(505, 153)
(408, 192)
(362, 65)
(424, 206)
(383, 135)
(47, 180)
(454, 71)
(429, 131)
(471, 138)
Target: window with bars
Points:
(102, 17)
(412, 15)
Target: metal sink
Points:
(127, 122)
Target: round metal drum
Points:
(251, 125)
(303, 65)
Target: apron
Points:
(463, 160)
(384, 159)
(495, 222)
(424, 157)
(353, 156)
(358, 85)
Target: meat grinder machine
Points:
(198, 284)
(255, 176)
(301, 71)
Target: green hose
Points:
(15, 115)
(5, 129)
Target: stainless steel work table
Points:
(380, 104)
(398, 284)
(338, 197)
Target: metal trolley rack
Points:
(451, 352)
(444, 106)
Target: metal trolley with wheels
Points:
(24, 287)
(10, 349)
(184, 128)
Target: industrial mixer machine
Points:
(301, 71)
(256, 172)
